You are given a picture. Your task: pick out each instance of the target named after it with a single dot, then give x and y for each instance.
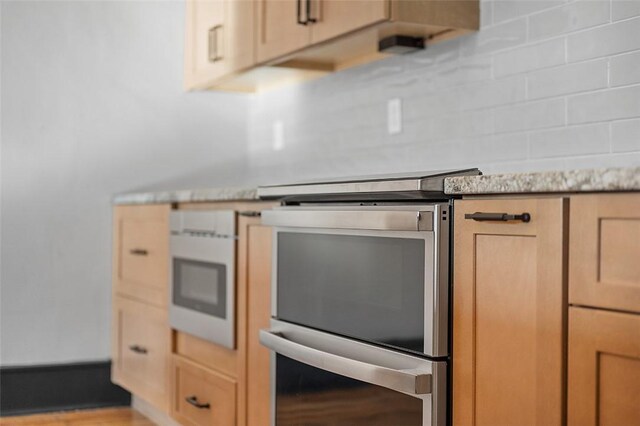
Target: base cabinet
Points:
(604, 368)
(509, 314)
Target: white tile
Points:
(625, 69)
(625, 135)
(486, 13)
(464, 124)
(476, 68)
(532, 115)
(567, 79)
(503, 91)
(618, 37)
(501, 36)
(509, 9)
(570, 17)
(605, 105)
(622, 9)
(528, 58)
(567, 141)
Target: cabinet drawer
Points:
(202, 397)
(141, 350)
(604, 255)
(141, 252)
(604, 368)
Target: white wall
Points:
(92, 105)
(546, 84)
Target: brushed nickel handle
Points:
(214, 54)
(138, 349)
(310, 19)
(139, 252)
(193, 400)
(497, 217)
(298, 12)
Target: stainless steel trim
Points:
(402, 375)
(386, 220)
(213, 53)
(425, 182)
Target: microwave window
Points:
(367, 287)
(200, 286)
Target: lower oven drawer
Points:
(319, 376)
(202, 397)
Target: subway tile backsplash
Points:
(544, 85)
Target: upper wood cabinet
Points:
(604, 258)
(301, 39)
(509, 314)
(219, 40)
(140, 252)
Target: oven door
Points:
(321, 378)
(378, 274)
(202, 290)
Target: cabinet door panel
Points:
(605, 248)
(509, 304)
(279, 32)
(604, 368)
(219, 40)
(337, 17)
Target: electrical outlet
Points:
(394, 116)
(278, 135)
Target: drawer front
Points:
(202, 397)
(604, 255)
(604, 368)
(142, 348)
(141, 244)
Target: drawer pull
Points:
(139, 252)
(138, 349)
(498, 217)
(193, 400)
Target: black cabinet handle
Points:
(497, 217)
(193, 400)
(138, 349)
(250, 213)
(309, 18)
(299, 11)
(139, 252)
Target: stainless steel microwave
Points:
(203, 247)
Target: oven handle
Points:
(411, 381)
(383, 220)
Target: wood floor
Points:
(106, 417)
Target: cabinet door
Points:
(141, 348)
(141, 252)
(259, 312)
(218, 40)
(604, 368)
(279, 31)
(509, 313)
(604, 258)
(337, 17)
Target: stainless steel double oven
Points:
(360, 306)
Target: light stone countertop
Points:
(586, 180)
(188, 196)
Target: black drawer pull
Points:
(499, 217)
(138, 349)
(139, 252)
(193, 400)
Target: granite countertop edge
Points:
(567, 181)
(188, 196)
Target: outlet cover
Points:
(278, 135)
(394, 116)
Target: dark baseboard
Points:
(44, 388)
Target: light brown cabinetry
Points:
(219, 40)
(279, 31)
(140, 350)
(140, 252)
(604, 368)
(604, 258)
(202, 397)
(509, 314)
